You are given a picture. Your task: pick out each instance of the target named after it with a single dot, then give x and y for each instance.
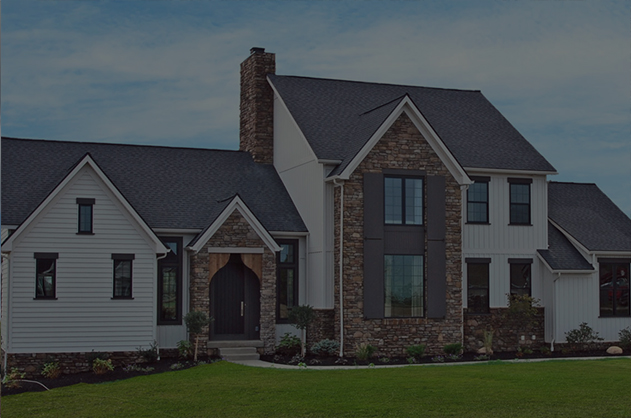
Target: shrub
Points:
(364, 351)
(96, 355)
(325, 348)
(453, 349)
(289, 345)
(625, 338)
(150, 355)
(51, 370)
(301, 316)
(100, 366)
(184, 347)
(195, 323)
(582, 337)
(12, 379)
(416, 351)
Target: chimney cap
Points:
(256, 50)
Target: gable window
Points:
(122, 275)
(614, 288)
(478, 201)
(170, 283)
(520, 276)
(85, 215)
(519, 201)
(287, 284)
(478, 285)
(403, 201)
(403, 279)
(46, 275)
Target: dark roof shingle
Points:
(561, 254)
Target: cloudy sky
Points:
(166, 72)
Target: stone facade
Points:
(401, 147)
(236, 232)
(257, 106)
(322, 327)
(507, 333)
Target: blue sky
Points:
(166, 72)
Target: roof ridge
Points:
(384, 104)
(121, 145)
(379, 83)
(574, 182)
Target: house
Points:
(426, 202)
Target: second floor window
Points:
(85, 215)
(478, 202)
(403, 201)
(519, 201)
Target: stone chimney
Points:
(257, 106)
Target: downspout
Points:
(554, 313)
(341, 186)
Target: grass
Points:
(548, 389)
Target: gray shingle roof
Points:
(561, 254)
(338, 117)
(169, 187)
(589, 216)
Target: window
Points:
(403, 201)
(287, 286)
(403, 279)
(45, 276)
(519, 201)
(520, 280)
(122, 275)
(170, 283)
(478, 201)
(614, 288)
(478, 285)
(85, 215)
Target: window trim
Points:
(520, 261)
(289, 266)
(519, 181)
(178, 288)
(84, 203)
(613, 262)
(46, 256)
(478, 261)
(120, 258)
(403, 179)
(423, 285)
(480, 180)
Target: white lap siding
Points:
(84, 317)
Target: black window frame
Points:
(515, 264)
(471, 262)
(515, 182)
(42, 265)
(171, 261)
(287, 266)
(611, 292)
(478, 180)
(423, 306)
(403, 199)
(82, 204)
(117, 259)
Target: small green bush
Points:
(289, 345)
(453, 349)
(583, 337)
(102, 366)
(364, 351)
(185, 348)
(12, 378)
(625, 338)
(325, 348)
(51, 370)
(416, 351)
(150, 355)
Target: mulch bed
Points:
(165, 364)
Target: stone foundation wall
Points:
(235, 232)
(322, 327)
(507, 333)
(402, 147)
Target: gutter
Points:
(341, 186)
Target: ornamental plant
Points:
(195, 323)
(301, 316)
(583, 337)
(325, 347)
(100, 366)
(416, 351)
(51, 370)
(625, 338)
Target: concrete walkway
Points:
(261, 363)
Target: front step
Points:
(238, 353)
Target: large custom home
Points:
(404, 215)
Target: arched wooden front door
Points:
(235, 302)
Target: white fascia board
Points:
(478, 170)
(545, 263)
(87, 160)
(288, 234)
(406, 105)
(236, 204)
(176, 231)
(612, 254)
(282, 102)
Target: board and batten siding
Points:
(6, 262)
(84, 317)
(303, 177)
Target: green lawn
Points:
(549, 389)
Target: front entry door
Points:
(235, 302)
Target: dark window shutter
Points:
(373, 245)
(436, 260)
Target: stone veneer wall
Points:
(401, 147)
(507, 333)
(236, 232)
(257, 106)
(322, 327)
